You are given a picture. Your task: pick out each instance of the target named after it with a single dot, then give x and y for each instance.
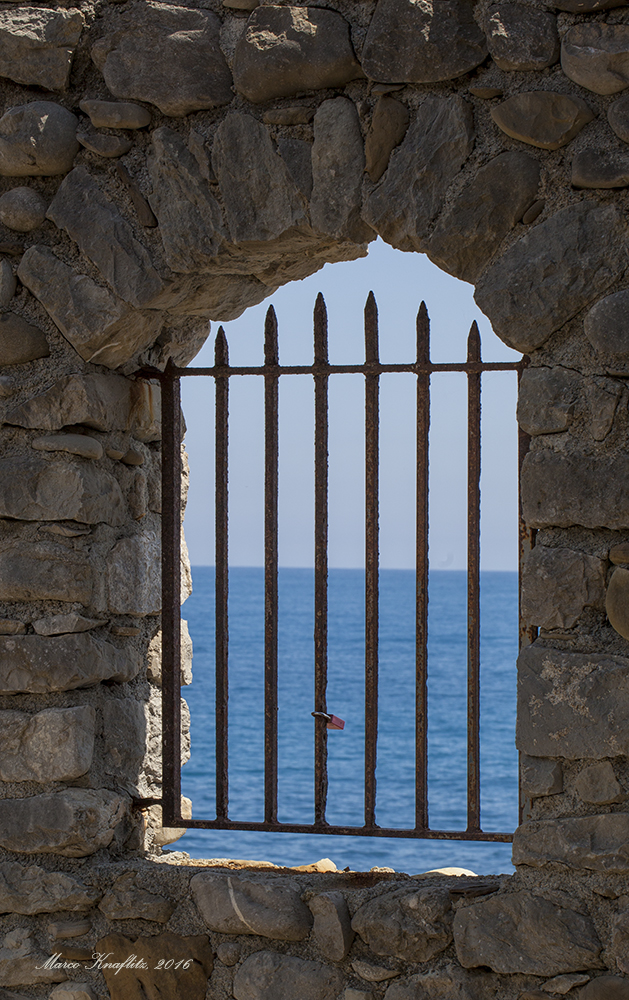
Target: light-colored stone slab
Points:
(56, 744)
(34, 488)
(29, 889)
(46, 571)
(338, 164)
(37, 45)
(236, 905)
(594, 843)
(126, 900)
(75, 822)
(37, 664)
(413, 926)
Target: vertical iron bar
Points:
(526, 541)
(321, 559)
(271, 458)
(171, 598)
(221, 573)
(372, 382)
(473, 582)
(421, 574)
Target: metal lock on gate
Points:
(333, 721)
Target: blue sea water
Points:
(395, 773)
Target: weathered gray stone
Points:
(617, 989)
(619, 554)
(260, 203)
(35, 664)
(606, 325)
(597, 785)
(594, 168)
(20, 341)
(542, 118)
(387, 128)
(338, 164)
(412, 43)
(228, 952)
(64, 929)
(8, 285)
(373, 973)
(73, 991)
(72, 444)
(470, 231)
(561, 490)
(167, 56)
(9, 626)
(297, 115)
(56, 744)
(548, 276)
(605, 988)
(102, 402)
(100, 326)
(22, 209)
(413, 189)
(34, 571)
(30, 890)
(449, 983)
(596, 56)
(164, 835)
(525, 933)
(351, 994)
(297, 155)
(96, 225)
(521, 38)
(546, 399)
(569, 704)
(109, 146)
(332, 929)
(116, 114)
(596, 843)
(134, 575)
(563, 984)
(284, 50)
(235, 905)
(22, 963)
(128, 901)
(557, 584)
(37, 139)
(412, 926)
(154, 657)
(66, 624)
(603, 398)
(125, 735)
(540, 776)
(75, 822)
(616, 601)
(266, 975)
(618, 117)
(533, 212)
(34, 488)
(37, 45)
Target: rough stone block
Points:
(597, 785)
(95, 224)
(297, 155)
(66, 624)
(600, 168)
(388, 126)
(234, 905)
(75, 822)
(595, 843)
(82, 445)
(154, 657)
(332, 929)
(266, 975)
(20, 342)
(22, 963)
(557, 584)
(37, 140)
(287, 49)
(555, 270)
(606, 325)
(561, 490)
(139, 983)
(163, 835)
(34, 488)
(618, 954)
(412, 926)
(546, 399)
(413, 189)
(618, 117)
(73, 991)
(56, 744)
(572, 704)
(373, 973)
(450, 983)
(596, 56)
(116, 114)
(22, 209)
(125, 735)
(521, 38)
(525, 933)
(128, 901)
(542, 118)
(616, 601)
(34, 571)
(411, 43)
(540, 776)
(37, 45)
(38, 665)
(134, 575)
(338, 164)
(30, 890)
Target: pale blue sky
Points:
(399, 281)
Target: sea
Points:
(447, 686)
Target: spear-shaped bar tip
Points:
(221, 350)
(320, 331)
(423, 333)
(371, 328)
(271, 349)
(473, 343)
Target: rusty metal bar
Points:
(171, 598)
(421, 574)
(414, 368)
(221, 572)
(271, 459)
(526, 542)
(372, 390)
(348, 831)
(321, 563)
(473, 582)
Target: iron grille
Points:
(271, 371)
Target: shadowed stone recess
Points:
(525, 933)
(560, 490)
(75, 822)
(41, 664)
(20, 341)
(388, 127)
(297, 155)
(37, 45)
(269, 976)
(338, 163)
(29, 890)
(471, 229)
(34, 488)
(412, 926)
(167, 56)
(37, 139)
(596, 843)
(557, 584)
(550, 274)
(596, 56)
(46, 571)
(540, 776)
(546, 399)
(594, 168)
(521, 38)
(233, 905)
(542, 118)
(422, 43)
(56, 744)
(413, 189)
(572, 704)
(284, 50)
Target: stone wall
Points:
(164, 165)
